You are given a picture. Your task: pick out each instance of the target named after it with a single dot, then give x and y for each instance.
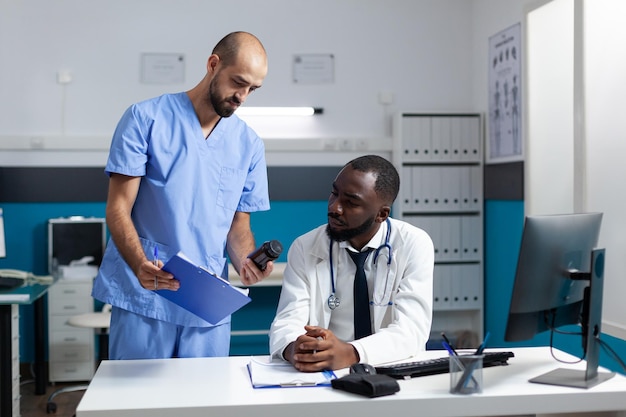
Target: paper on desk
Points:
(267, 374)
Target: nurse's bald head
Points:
(236, 43)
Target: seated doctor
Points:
(332, 314)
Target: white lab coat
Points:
(401, 328)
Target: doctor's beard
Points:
(347, 234)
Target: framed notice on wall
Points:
(505, 140)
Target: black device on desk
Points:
(438, 365)
(12, 278)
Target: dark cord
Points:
(612, 353)
(553, 330)
(605, 346)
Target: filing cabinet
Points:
(71, 350)
(440, 161)
(75, 249)
(15, 360)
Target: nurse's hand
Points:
(153, 278)
(250, 274)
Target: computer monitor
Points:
(558, 282)
(73, 238)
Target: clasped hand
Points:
(319, 349)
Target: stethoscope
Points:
(333, 300)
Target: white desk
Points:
(9, 344)
(221, 387)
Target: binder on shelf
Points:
(445, 234)
(201, 292)
(456, 139)
(456, 286)
(442, 284)
(440, 138)
(409, 145)
(448, 193)
(476, 186)
(437, 288)
(418, 192)
(470, 238)
(455, 237)
(267, 374)
(406, 189)
(471, 288)
(472, 127)
(464, 179)
(422, 138)
(436, 187)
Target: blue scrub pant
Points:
(133, 336)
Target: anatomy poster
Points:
(505, 96)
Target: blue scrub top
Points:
(190, 189)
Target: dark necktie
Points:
(362, 321)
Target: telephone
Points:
(13, 278)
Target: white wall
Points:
(605, 91)
(549, 182)
(419, 50)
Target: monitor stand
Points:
(571, 378)
(591, 326)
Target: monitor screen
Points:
(559, 281)
(71, 239)
(552, 247)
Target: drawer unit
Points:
(70, 349)
(15, 360)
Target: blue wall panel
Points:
(503, 233)
(287, 220)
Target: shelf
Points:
(439, 159)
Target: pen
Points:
(156, 263)
(445, 338)
(451, 351)
(480, 349)
(468, 373)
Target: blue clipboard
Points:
(202, 293)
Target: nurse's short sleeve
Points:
(255, 195)
(129, 147)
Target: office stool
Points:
(100, 322)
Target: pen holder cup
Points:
(466, 374)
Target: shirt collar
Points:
(375, 241)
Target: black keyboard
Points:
(437, 365)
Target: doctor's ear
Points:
(383, 214)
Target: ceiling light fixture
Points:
(279, 111)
